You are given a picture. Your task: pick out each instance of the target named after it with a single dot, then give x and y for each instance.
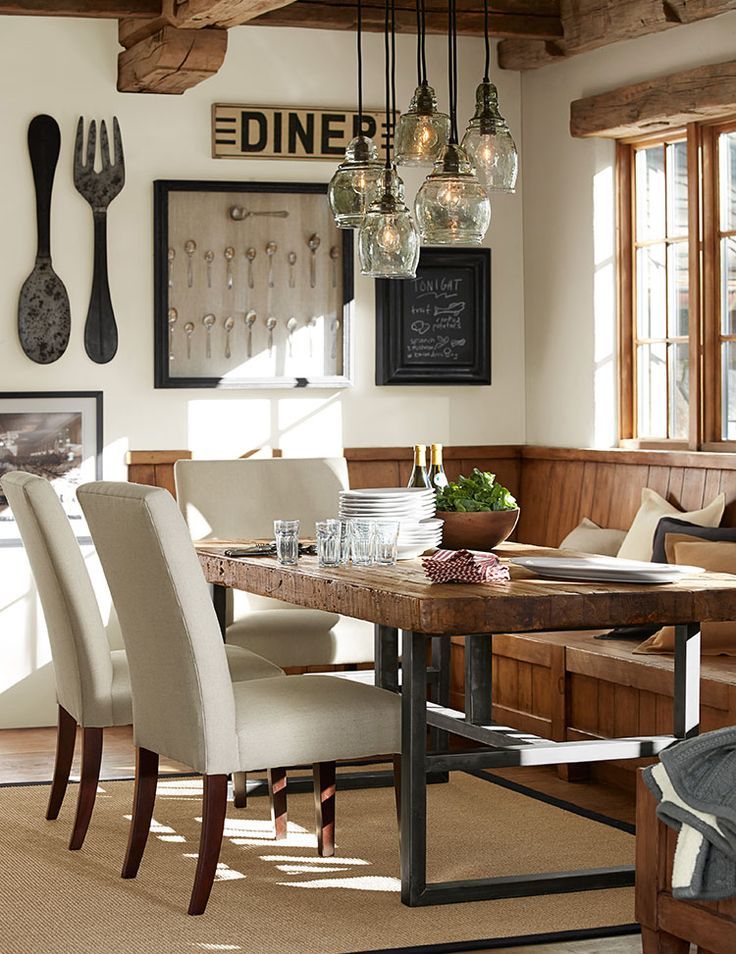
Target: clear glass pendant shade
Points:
(352, 186)
(452, 207)
(489, 144)
(388, 242)
(422, 130)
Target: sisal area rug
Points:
(280, 896)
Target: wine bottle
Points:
(419, 476)
(437, 477)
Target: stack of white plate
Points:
(413, 507)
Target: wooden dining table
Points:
(400, 599)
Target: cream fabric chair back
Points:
(79, 646)
(229, 499)
(183, 705)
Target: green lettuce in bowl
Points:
(478, 513)
(475, 494)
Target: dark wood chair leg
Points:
(146, 777)
(214, 806)
(397, 788)
(66, 737)
(660, 942)
(324, 807)
(240, 789)
(277, 793)
(91, 758)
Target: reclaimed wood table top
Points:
(402, 596)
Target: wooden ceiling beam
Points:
(194, 14)
(506, 18)
(591, 24)
(102, 9)
(171, 60)
(707, 92)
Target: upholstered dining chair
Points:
(92, 681)
(239, 500)
(186, 707)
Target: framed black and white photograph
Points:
(436, 328)
(54, 434)
(253, 286)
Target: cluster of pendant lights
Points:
(452, 206)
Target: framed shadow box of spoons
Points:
(253, 286)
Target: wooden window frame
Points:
(705, 422)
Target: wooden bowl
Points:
(477, 531)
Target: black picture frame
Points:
(37, 403)
(403, 357)
(163, 188)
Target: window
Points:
(677, 283)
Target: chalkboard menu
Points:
(435, 328)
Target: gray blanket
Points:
(695, 786)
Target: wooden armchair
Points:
(669, 926)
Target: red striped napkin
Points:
(465, 566)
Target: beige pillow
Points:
(588, 537)
(639, 540)
(716, 639)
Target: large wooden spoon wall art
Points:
(44, 315)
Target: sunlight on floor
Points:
(366, 883)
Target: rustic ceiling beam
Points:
(707, 92)
(194, 14)
(506, 18)
(103, 9)
(171, 60)
(590, 24)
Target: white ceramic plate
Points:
(605, 569)
(414, 515)
(388, 493)
(411, 552)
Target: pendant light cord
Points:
(387, 77)
(452, 69)
(393, 68)
(360, 67)
(486, 75)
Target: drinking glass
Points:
(328, 542)
(287, 541)
(362, 535)
(344, 541)
(386, 542)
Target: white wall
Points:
(67, 68)
(569, 280)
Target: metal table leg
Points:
(687, 680)
(478, 679)
(386, 644)
(413, 767)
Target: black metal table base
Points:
(524, 886)
(506, 744)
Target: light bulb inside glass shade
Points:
(388, 241)
(489, 144)
(452, 207)
(422, 130)
(351, 187)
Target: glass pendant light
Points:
(422, 129)
(452, 207)
(487, 140)
(388, 242)
(355, 179)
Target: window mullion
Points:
(711, 348)
(695, 311)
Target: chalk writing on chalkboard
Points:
(438, 327)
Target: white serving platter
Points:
(605, 569)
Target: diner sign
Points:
(265, 132)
